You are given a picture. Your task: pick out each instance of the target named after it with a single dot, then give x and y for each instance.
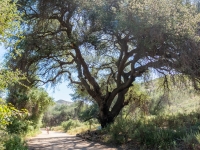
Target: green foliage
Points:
(138, 99)
(158, 132)
(73, 118)
(151, 136)
(59, 113)
(89, 112)
(25, 121)
(9, 17)
(120, 130)
(191, 140)
(55, 115)
(145, 34)
(67, 125)
(15, 143)
(8, 78)
(176, 96)
(10, 26)
(5, 114)
(39, 100)
(8, 113)
(18, 126)
(35, 100)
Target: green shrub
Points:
(32, 131)
(191, 140)
(57, 128)
(18, 126)
(3, 134)
(120, 130)
(145, 132)
(67, 125)
(155, 137)
(15, 143)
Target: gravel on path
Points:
(62, 141)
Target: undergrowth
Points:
(157, 132)
(76, 126)
(15, 143)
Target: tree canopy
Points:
(103, 46)
(9, 19)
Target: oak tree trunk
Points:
(107, 117)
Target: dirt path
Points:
(62, 141)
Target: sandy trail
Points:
(62, 141)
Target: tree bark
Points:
(107, 117)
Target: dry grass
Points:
(77, 130)
(82, 129)
(57, 128)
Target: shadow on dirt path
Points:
(63, 141)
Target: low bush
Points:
(191, 140)
(120, 131)
(18, 126)
(148, 135)
(3, 134)
(15, 143)
(84, 128)
(155, 137)
(57, 128)
(67, 125)
(31, 132)
(157, 132)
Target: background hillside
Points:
(63, 102)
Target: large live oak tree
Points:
(102, 46)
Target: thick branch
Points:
(86, 71)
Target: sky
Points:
(60, 91)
